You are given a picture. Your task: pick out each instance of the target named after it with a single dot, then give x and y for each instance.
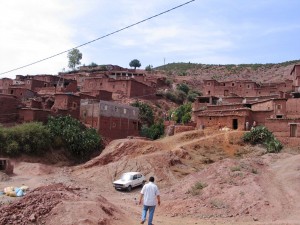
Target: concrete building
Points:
(111, 120)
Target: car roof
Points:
(132, 173)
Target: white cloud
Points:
(32, 30)
(204, 30)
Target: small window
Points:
(116, 109)
(105, 107)
(232, 84)
(248, 86)
(208, 83)
(278, 106)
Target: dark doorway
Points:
(293, 130)
(234, 124)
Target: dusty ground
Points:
(241, 185)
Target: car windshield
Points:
(126, 177)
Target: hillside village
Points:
(99, 97)
(240, 184)
(91, 95)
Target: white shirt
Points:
(150, 192)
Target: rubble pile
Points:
(35, 205)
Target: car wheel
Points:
(129, 188)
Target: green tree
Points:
(146, 115)
(149, 68)
(74, 136)
(135, 63)
(183, 113)
(153, 132)
(93, 64)
(74, 57)
(183, 87)
(261, 135)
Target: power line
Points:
(104, 36)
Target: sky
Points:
(202, 31)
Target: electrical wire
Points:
(104, 36)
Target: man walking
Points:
(149, 193)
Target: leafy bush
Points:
(182, 114)
(183, 87)
(180, 96)
(146, 115)
(28, 138)
(154, 132)
(73, 136)
(261, 135)
(171, 96)
(168, 82)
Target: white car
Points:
(129, 180)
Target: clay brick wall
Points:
(137, 89)
(244, 88)
(97, 94)
(281, 128)
(116, 128)
(21, 93)
(260, 117)
(5, 83)
(129, 87)
(29, 115)
(35, 84)
(225, 107)
(110, 119)
(232, 100)
(67, 104)
(293, 108)
(92, 84)
(46, 78)
(182, 128)
(224, 121)
(8, 108)
(46, 90)
(267, 105)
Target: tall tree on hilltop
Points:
(74, 57)
(135, 63)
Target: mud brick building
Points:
(9, 105)
(128, 87)
(232, 104)
(245, 88)
(5, 84)
(21, 93)
(33, 114)
(66, 104)
(110, 119)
